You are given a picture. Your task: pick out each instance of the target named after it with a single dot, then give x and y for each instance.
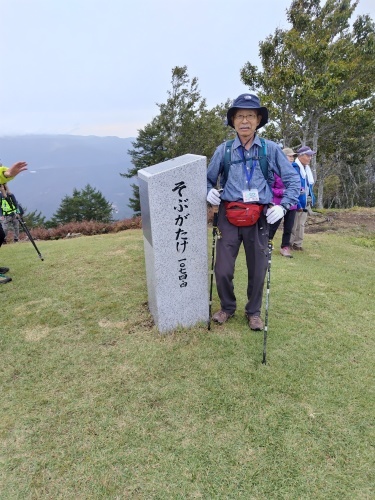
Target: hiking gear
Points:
(294, 247)
(213, 197)
(255, 322)
(247, 101)
(265, 331)
(242, 214)
(4, 270)
(221, 317)
(275, 213)
(4, 279)
(215, 235)
(25, 228)
(285, 252)
(263, 163)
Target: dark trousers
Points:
(255, 242)
(2, 235)
(288, 226)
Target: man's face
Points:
(304, 159)
(245, 122)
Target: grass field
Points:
(96, 404)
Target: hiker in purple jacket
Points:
(278, 190)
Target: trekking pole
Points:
(215, 234)
(25, 228)
(270, 246)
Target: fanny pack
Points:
(242, 214)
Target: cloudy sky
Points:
(98, 67)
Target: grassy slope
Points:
(96, 404)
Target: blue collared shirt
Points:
(237, 179)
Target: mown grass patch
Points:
(96, 404)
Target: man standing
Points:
(306, 197)
(244, 183)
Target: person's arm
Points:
(7, 174)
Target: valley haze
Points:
(59, 163)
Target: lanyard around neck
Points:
(249, 173)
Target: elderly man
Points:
(246, 167)
(302, 164)
(6, 175)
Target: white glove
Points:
(213, 197)
(275, 213)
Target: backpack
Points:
(262, 159)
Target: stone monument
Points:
(174, 221)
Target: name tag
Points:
(250, 195)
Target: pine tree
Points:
(88, 204)
(319, 67)
(184, 125)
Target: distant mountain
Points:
(59, 163)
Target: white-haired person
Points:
(306, 197)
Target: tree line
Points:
(317, 80)
(87, 204)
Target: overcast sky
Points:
(98, 67)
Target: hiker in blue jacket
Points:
(306, 197)
(245, 184)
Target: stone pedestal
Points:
(174, 220)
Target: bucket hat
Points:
(289, 152)
(247, 101)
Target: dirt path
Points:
(341, 220)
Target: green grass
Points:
(96, 404)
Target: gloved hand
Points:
(213, 197)
(275, 213)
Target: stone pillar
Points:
(174, 221)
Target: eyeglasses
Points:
(248, 118)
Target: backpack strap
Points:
(227, 159)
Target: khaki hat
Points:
(289, 152)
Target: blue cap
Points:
(247, 101)
(305, 150)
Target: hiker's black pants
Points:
(255, 242)
(2, 235)
(288, 226)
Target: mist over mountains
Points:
(59, 163)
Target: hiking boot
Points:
(4, 270)
(294, 247)
(255, 322)
(221, 317)
(4, 279)
(285, 252)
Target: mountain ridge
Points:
(58, 164)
